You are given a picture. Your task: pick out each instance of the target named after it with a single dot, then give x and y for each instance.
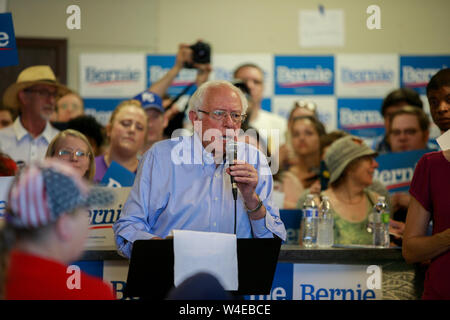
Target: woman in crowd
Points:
(46, 225)
(126, 131)
(305, 132)
(351, 165)
(300, 108)
(73, 147)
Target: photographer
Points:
(184, 57)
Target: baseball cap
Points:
(150, 100)
(42, 192)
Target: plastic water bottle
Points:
(309, 222)
(325, 232)
(379, 224)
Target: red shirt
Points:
(31, 277)
(431, 186)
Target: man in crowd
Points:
(34, 95)
(184, 184)
(391, 103)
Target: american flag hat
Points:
(41, 193)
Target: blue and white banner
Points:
(8, 49)
(117, 176)
(396, 169)
(304, 75)
(360, 117)
(416, 71)
(365, 75)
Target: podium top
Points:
(151, 270)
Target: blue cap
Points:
(150, 100)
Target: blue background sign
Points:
(360, 117)
(416, 71)
(117, 176)
(304, 75)
(8, 50)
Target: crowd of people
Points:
(42, 118)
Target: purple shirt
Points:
(100, 168)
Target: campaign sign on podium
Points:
(117, 176)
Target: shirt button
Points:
(215, 199)
(214, 224)
(217, 175)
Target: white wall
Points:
(231, 26)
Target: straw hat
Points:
(342, 152)
(29, 77)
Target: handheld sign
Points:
(8, 50)
(117, 176)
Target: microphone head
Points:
(231, 151)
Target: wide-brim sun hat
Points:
(42, 192)
(29, 77)
(342, 152)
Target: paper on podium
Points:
(215, 253)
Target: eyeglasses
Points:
(219, 115)
(43, 93)
(67, 154)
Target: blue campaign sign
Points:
(396, 169)
(305, 75)
(159, 65)
(360, 117)
(8, 49)
(416, 71)
(117, 176)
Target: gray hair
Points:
(197, 98)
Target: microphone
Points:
(231, 154)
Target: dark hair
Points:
(422, 117)
(88, 126)
(320, 128)
(327, 139)
(401, 95)
(439, 80)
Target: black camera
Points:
(201, 54)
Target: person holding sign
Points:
(127, 131)
(184, 184)
(430, 200)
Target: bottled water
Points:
(309, 222)
(379, 224)
(325, 232)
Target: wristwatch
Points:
(260, 203)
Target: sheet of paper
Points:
(321, 28)
(215, 253)
(444, 140)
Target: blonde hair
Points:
(51, 150)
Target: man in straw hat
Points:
(33, 95)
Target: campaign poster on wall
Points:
(360, 117)
(416, 71)
(8, 49)
(304, 75)
(396, 169)
(113, 75)
(326, 107)
(366, 75)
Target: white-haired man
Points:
(183, 183)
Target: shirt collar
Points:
(21, 132)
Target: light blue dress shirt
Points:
(178, 186)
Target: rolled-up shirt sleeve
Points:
(141, 208)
